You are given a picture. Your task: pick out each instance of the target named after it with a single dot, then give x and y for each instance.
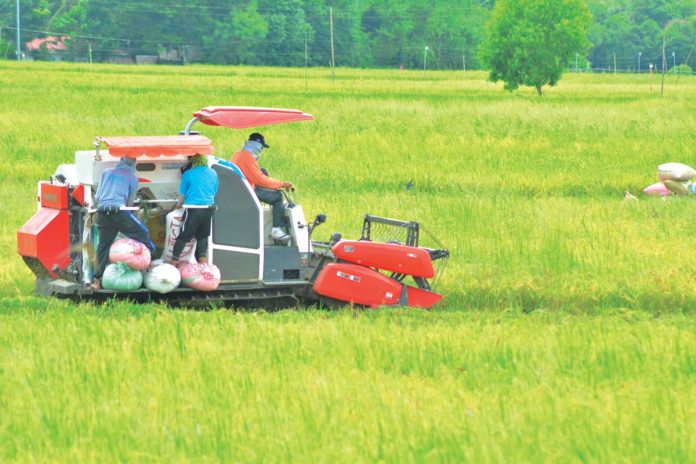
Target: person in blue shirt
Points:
(197, 190)
(117, 188)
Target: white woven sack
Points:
(163, 278)
(675, 171)
(174, 221)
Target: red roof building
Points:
(51, 43)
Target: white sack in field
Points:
(675, 171)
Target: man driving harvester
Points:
(267, 189)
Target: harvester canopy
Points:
(244, 117)
(165, 145)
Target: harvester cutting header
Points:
(256, 266)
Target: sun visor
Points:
(243, 117)
(166, 145)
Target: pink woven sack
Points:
(657, 189)
(203, 277)
(131, 252)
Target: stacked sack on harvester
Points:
(675, 178)
(131, 265)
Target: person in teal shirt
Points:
(197, 191)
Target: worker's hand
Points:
(287, 185)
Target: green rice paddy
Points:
(568, 332)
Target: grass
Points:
(123, 384)
(567, 333)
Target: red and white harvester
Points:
(386, 266)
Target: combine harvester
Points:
(58, 242)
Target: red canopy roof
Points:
(165, 145)
(244, 117)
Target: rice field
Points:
(568, 332)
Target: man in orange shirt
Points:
(267, 189)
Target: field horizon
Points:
(568, 329)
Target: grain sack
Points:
(131, 252)
(173, 225)
(162, 278)
(677, 187)
(204, 277)
(657, 189)
(119, 277)
(675, 171)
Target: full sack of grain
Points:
(174, 222)
(162, 278)
(675, 171)
(204, 277)
(131, 252)
(657, 189)
(119, 277)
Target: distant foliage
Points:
(529, 42)
(383, 33)
(622, 29)
(683, 69)
(374, 33)
(5, 48)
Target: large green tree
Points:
(530, 42)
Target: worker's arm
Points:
(257, 177)
(132, 191)
(100, 187)
(252, 171)
(183, 190)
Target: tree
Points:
(530, 42)
(284, 42)
(453, 29)
(236, 34)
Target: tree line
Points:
(440, 34)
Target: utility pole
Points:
(464, 62)
(576, 62)
(674, 60)
(664, 65)
(638, 62)
(333, 61)
(306, 85)
(425, 58)
(19, 48)
(615, 63)
(89, 45)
